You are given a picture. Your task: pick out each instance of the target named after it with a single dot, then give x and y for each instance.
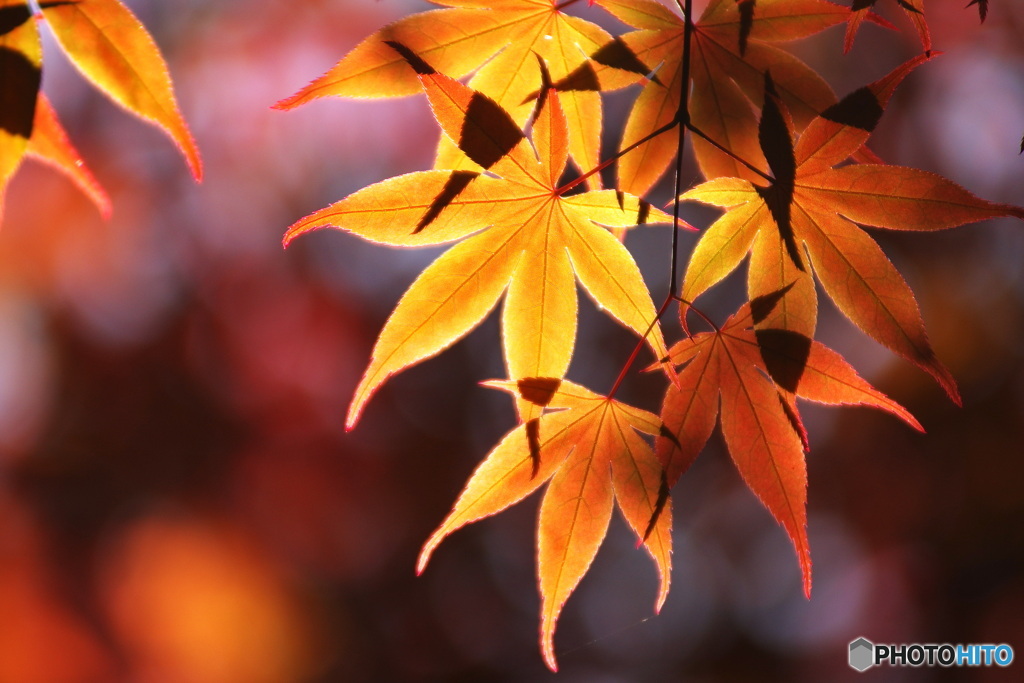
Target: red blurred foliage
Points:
(195, 602)
(38, 621)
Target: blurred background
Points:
(179, 501)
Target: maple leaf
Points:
(112, 49)
(812, 208)
(50, 144)
(733, 45)
(861, 10)
(519, 232)
(500, 38)
(751, 376)
(21, 59)
(591, 452)
(109, 46)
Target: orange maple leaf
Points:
(807, 217)
(590, 450)
(50, 144)
(112, 49)
(519, 233)
(752, 377)
(733, 45)
(500, 38)
(20, 77)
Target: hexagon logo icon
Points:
(862, 654)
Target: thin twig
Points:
(563, 5)
(608, 162)
(683, 116)
(699, 133)
(681, 119)
(636, 349)
(703, 316)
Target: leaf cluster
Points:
(781, 155)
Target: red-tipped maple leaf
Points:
(808, 217)
(590, 450)
(733, 45)
(861, 10)
(20, 76)
(50, 144)
(519, 233)
(112, 49)
(500, 38)
(751, 377)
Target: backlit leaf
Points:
(501, 40)
(50, 145)
(114, 51)
(531, 242)
(914, 9)
(750, 377)
(815, 213)
(21, 58)
(733, 45)
(590, 451)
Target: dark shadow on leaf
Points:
(618, 55)
(794, 421)
(414, 60)
(546, 86)
(746, 8)
(779, 199)
(762, 306)
(785, 355)
(907, 6)
(488, 133)
(456, 183)
(19, 88)
(615, 54)
(643, 212)
(583, 78)
(533, 442)
(982, 8)
(659, 506)
(860, 109)
(773, 134)
(538, 390)
(13, 17)
(667, 433)
(777, 145)
(643, 207)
